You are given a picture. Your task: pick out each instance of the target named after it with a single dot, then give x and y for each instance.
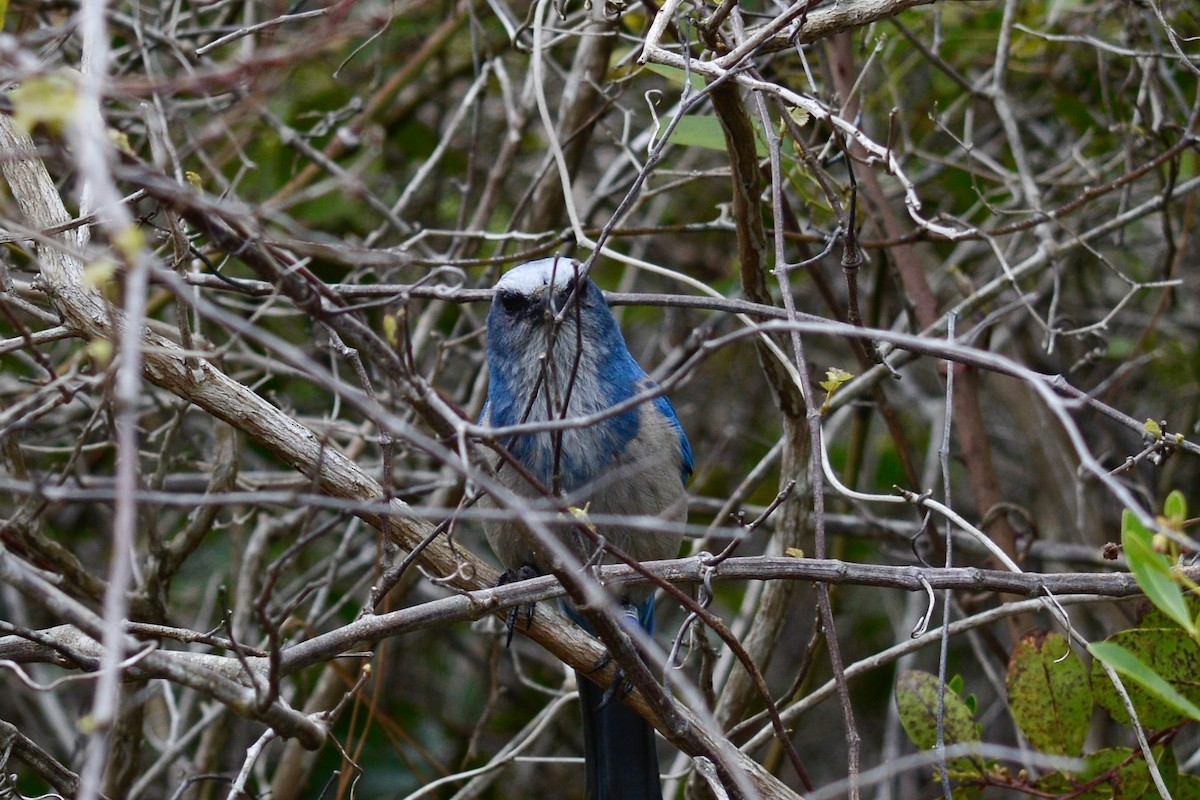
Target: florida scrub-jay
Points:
(635, 463)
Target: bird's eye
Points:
(513, 302)
(567, 290)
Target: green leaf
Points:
(1153, 617)
(1175, 509)
(917, 701)
(1168, 767)
(1122, 774)
(834, 378)
(695, 131)
(51, 100)
(1188, 788)
(1049, 693)
(1128, 776)
(1152, 570)
(1164, 667)
(675, 75)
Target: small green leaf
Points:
(1175, 510)
(1163, 668)
(391, 329)
(1121, 774)
(1153, 428)
(675, 75)
(100, 351)
(130, 241)
(1049, 694)
(1153, 572)
(834, 378)
(51, 100)
(99, 273)
(917, 701)
(697, 131)
(799, 116)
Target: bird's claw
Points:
(618, 689)
(621, 686)
(524, 611)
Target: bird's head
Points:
(555, 352)
(548, 324)
(529, 298)
(547, 308)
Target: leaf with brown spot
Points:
(1049, 693)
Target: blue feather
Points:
(553, 355)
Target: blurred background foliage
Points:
(396, 143)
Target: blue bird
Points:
(635, 463)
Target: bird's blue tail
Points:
(618, 744)
(619, 753)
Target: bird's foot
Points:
(620, 686)
(522, 611)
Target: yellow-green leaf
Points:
(51, 100)
(100, 351)
(698, 131)
(917, 702)
(98, 273)
(391, 329)
(1175, 510)
(676, 75)
(1049, 693)
(129, 241)
(834, 378)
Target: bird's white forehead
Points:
(534, 275)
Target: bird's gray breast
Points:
(631, 472)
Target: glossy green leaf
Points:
(1163, 668)
(1049, 693)
(1153, 572)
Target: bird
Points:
(555, 352)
